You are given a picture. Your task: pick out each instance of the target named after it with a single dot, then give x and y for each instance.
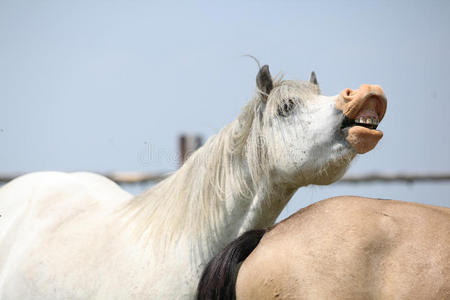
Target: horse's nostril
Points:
(348, 91)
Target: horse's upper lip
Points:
(372, 105)
(366, 112)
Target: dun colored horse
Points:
(340, 248)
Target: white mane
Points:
(190, 202)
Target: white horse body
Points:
(62, 239)
(70, 243)
(79, 236)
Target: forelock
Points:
(290, 89)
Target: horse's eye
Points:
(286, 107)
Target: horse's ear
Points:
(313, 78)
(264, 82)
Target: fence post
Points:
(188, 143)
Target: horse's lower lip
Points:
(363, 139)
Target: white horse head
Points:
(299, 136)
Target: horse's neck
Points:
(266, 206)
(209, 201)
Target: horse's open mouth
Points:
(363, 110)
(368, 114)
(370, 123)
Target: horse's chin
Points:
(330, 178)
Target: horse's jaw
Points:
(335, 170)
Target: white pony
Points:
(79, 236)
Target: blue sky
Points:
(95, 86)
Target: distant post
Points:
(188, 143)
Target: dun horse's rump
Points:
(350, 248)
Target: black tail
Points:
(218, 280)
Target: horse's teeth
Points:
(369, 121)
